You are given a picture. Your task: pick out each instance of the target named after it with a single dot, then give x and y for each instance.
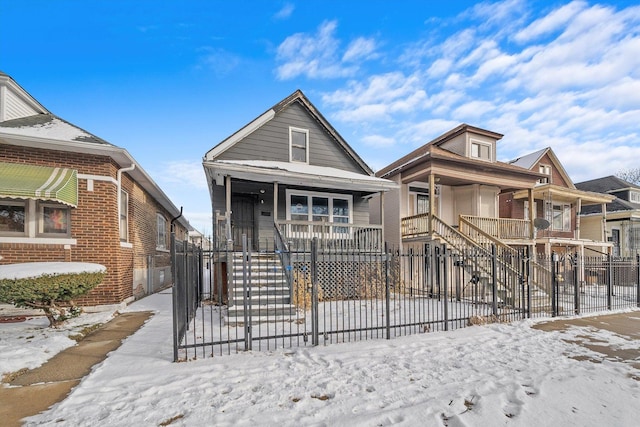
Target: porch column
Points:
(275, 202)
(382, 217)
(532, 214)
(227, 182)
(578, 209)
(604, 222)
(432, 200)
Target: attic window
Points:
(480, 151)
(298, 145)
(545, 169)
(634, 197)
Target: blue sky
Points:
(168, 80)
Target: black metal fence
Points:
(295, 294)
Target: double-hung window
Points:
(162, 232)
(298, 145)
(545, 169)
(560, 216)
(124, 216)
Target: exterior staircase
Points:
(266, 298)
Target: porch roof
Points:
(559, 193)
(296, 174)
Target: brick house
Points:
(67, 195)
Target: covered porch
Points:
(267, 201)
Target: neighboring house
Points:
(558, 202)
(291, 169)
(67, 195)
(283, 179)
(450, 184)
(453, 190)
(622, 215)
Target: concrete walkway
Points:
(38, 389)
(626, 325)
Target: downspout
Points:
(119, 180)
(175, 218)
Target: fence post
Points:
(387, 291)
(246, 293)
(174, 295)
(529, 270)
(494, 279)
(638, 279)
(443, 266)
(554, 284)
(315, 339)
(576, 285)
(609, 282)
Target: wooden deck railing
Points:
(415, 226)
(363, 237)
(501, 228)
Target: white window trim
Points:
(40, 220)
(125, 214)
(545, 169)
(311, 194)
(473, 142)
(24, 204)
(565, 209)
(162, 246)
(306, 132)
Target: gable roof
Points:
(265, 117)
(528, 161)
(432, 150)
(609, 184)
(606, 184)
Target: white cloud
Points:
(285, 12)
(218, 60)
(378, 141)
(186, 172)
(360, 48)
(554, 21)
(317, 56)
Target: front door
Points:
(243, 221)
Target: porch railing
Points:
(501, 228)
(363, 237)
(415, 226)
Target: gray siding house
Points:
(290, 171)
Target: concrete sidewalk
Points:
(626, 325)
(38, 389)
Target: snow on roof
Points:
(303, 168)
(47, 126)
(37, 269)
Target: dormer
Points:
(15, 102)
(471, 142)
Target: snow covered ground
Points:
(501, 374)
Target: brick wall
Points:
(94, 224)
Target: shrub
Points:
(53, 293)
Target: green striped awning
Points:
(19, 181)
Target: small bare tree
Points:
(631, 175)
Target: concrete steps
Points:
(267, 293)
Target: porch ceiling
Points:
(465, 174)
(295, 174)
(558, 193)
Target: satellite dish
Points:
(541, 223)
